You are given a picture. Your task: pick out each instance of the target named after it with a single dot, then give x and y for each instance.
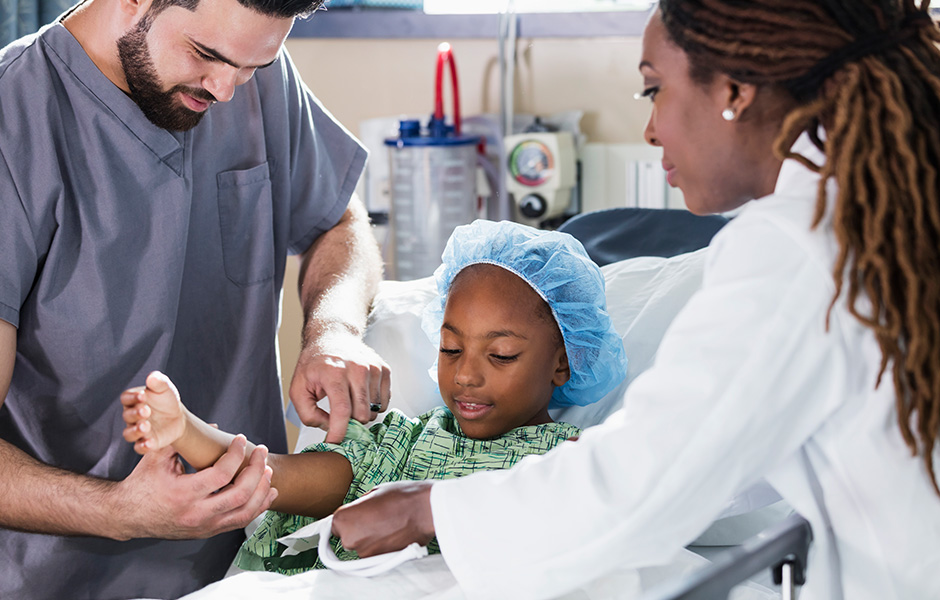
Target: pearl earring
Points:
(728, 114)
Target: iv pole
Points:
(506, 45)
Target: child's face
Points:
(501, 354)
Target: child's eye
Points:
(649, 92)
(450, 351)
(504, 358)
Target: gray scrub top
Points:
(126, 248)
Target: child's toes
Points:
(158, 382)
(131, 434)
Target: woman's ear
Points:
(737, 97)
(562, 370)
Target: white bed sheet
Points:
(429, 579)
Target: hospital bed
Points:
(783, 548)
(645, 292)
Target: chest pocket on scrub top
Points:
(246, 216)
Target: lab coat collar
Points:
(795, 178)
(161, 142)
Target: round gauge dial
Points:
(531, 163)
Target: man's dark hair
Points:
(285, 9)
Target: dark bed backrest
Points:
(619, 233)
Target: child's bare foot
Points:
(154, 414)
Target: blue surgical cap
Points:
(560, 271)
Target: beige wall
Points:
(363, 79)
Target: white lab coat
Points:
(747, 383)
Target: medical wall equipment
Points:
(542, 166)
(433, 183)
(541, 172)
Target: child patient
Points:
(522, 326)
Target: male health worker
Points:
(159, 159)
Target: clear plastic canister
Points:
(433, 190)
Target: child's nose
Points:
(468, 373)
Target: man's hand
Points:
(168, 503)
(389, 518)
(339, 276)
(353, 376)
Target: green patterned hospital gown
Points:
(398, 449)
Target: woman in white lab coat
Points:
(811, 355)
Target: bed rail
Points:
(782, 547)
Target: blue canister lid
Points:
(439, 134)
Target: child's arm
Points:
(312, 484)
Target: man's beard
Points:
(163, 109)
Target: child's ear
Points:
(562, 370)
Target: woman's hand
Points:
(388, 518)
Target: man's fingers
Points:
(165, 459)
(260, 499)
(318, 418)
(337, 431)
(249, 494)
(380, 389)
(361, 399)
(349, 390)
(385, 387)
(240, 517)
(340, 413)
(305, 399)
(375, 390)
(223, 471)
(355, 383)
(187, 506)
(311, 414)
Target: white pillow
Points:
(643, 297)
(394, 331)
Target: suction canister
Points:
(432, 176)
